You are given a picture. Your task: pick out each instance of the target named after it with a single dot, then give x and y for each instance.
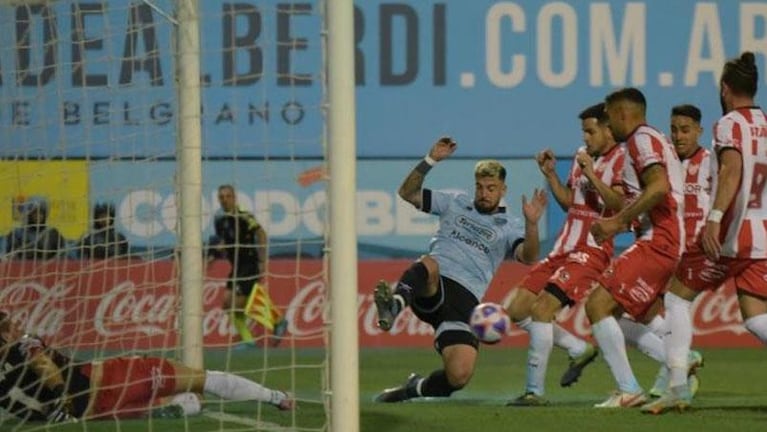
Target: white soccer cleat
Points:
(694, 362)
(661, 382)
(676, 399)
(621, 399)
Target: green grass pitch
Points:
(733, 396)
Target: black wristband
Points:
(423, 167)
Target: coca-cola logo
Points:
(713, 312)
(40, 308)
(306, 314)
(133, 311)
(125, 310)
(717, 312)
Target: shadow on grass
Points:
(372, 419)
(754, 409)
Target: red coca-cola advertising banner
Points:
(133, 304)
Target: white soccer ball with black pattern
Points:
(489, 322)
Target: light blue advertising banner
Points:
(289, 200)
(505, 78)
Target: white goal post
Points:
(142, 110)
(344, 357)
(341, 249)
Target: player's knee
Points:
(459, 376)
(432, 268)
(599, 305)
(417, 278)
(541, 311)
(519, 308)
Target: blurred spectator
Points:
(104, 241)
(34, 239)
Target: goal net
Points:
(89, 112)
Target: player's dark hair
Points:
(104, 209)
(741, 74)
(687, 110)
(595, 111)
(226, 186)
(628, 94)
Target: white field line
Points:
(260, 425)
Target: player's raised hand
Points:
(533, 209)
(546, 162)
(443, 148)
(586, 162)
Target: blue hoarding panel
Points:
(505, 78)
(288, 203)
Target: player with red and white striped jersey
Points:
(653, 187)
(696, 169)
(733, 243)
(743, 228)
(587, 203)
(662, 224)
(565, 276)
(685, 136)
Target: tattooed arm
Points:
(411, 187)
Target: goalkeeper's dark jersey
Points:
(22, 392)
(236, 232)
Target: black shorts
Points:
(448, 312)
(242, 283)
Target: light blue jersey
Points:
(469, 246)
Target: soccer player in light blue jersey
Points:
(443, 287)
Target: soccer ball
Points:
(489, 322)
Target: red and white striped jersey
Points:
(587, 204)
(744, 225)
(697, 193)
(663, 225)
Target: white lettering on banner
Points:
(494, 64)
(215, 321)
(146, 224)
(374, 206)
(565, 14)
(34, 305)
(620, 55)
(287, 206)
(122, 312)
(306, 310)
(98, 315)
(752, 35)
(148, 213)
(313, 212)
(717, 312)
(617, 56)
(413, 222)
(706, 36)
